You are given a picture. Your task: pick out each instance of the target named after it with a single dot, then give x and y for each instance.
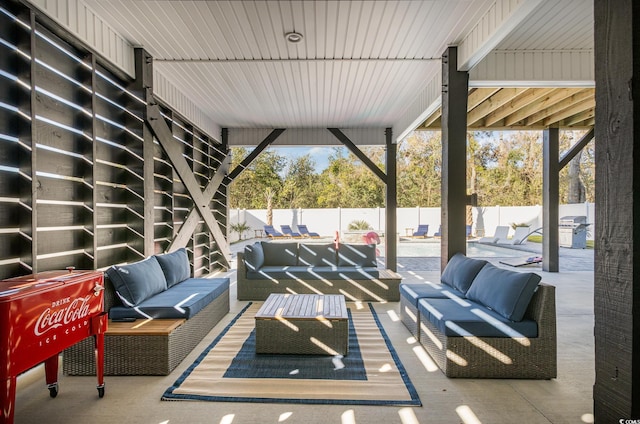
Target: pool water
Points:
(432, 249)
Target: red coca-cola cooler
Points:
(40, 316)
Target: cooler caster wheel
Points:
(53, 390)
(101, 391)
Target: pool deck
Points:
(570, 259)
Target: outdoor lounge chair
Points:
(422, 231)
(502, 231)
(272, 232)
(439, 232)
(519, 237)
(306, 233)
(286, 229)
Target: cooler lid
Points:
(33, 283)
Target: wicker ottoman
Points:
(306, 324)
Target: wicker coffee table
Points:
(306, 324)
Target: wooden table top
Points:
(303, 306)
(146, 327)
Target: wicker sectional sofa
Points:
(481, 321)
(172, 313)
(307, 268)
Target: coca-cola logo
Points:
(52, 318)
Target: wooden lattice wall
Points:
(73, 190)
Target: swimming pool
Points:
(421, 249)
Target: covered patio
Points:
(566, 399)
(118, 117)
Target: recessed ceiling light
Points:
(293, 37)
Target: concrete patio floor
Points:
(566, 399)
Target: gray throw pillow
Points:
(280, 254)
(175, 266)
(317, 255)
(460, 272)
(254, 256)
(357, 255)
(138, 281)
(503, 291)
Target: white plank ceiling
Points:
(359, 64)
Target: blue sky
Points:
(320, 155)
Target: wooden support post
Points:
(550, 199)
(455, 89)
(616, 392)
(144, 80)
(32, 257)
(391, 203)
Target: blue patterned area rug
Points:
(229, 370)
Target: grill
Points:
(572, 232)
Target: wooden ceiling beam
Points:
(524, 108)
(555, 96)
(524, 99)
(580, 117)
(476, 97)
(570, 111)
(560, 106)
(432, 118)
(479, 95)
(492, 103)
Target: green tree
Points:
(246, 191)
(350, 184)
(300, 184)
(419, 165)
(509, 170)
(577, 180)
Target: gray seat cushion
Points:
(313, 273)
(138, 281)
(504, 291)
(280, 254)
(317, 255)
(357, 255)
(183, 300)
(415, 291)
(254, 256)
(175, 266)
(468, 318)
(460, 272)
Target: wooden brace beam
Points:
(163, 133)
(354, 149)
(273, 135)
(573, 151)
(191, 222)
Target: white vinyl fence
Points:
(327, 221)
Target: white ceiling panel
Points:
(560, 25)
(359, 64)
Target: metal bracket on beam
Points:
(472, 199)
